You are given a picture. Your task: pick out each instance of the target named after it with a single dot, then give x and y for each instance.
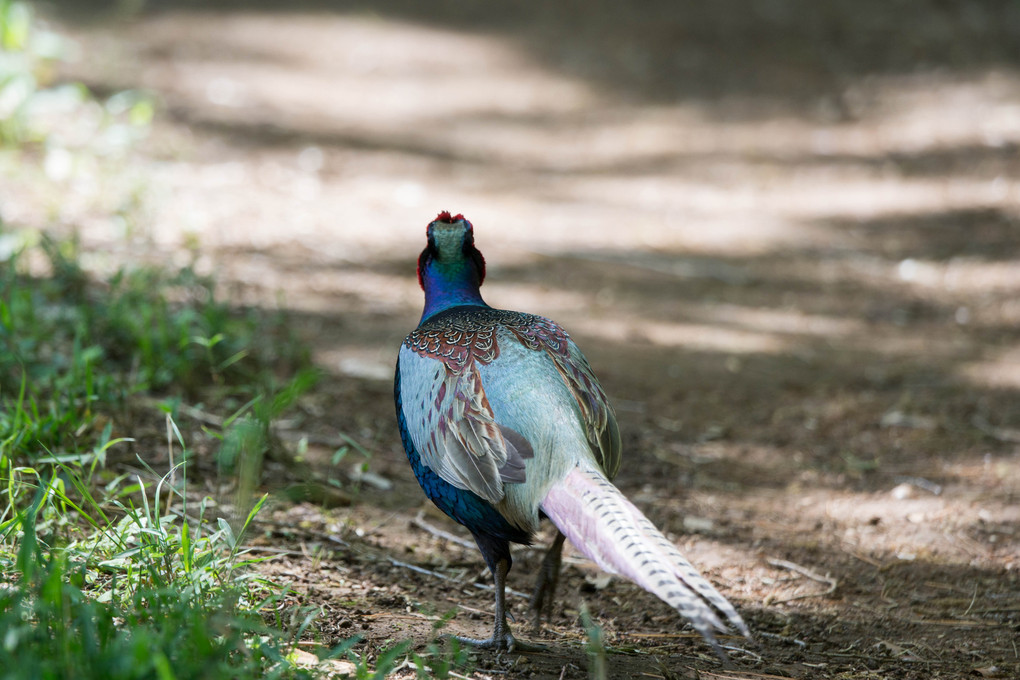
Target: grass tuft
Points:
(145, 596)
(74, 351)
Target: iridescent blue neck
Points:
(450, 284)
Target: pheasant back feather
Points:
(493, 388)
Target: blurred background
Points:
(786, 233)
(789, 149)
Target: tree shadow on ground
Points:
(795, 55)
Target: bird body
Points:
(504, 422)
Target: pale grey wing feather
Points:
(601, 428)
(452, 427)
(518, 449)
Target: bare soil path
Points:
(787, 238)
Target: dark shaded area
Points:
(990, 161)
(777, 54)
(985, 234)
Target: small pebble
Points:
(904, 491)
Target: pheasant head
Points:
(450, 268)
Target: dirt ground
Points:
(787, 237)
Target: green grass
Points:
(147, 592)
(74, 351)
(109, 575)
(598, 663)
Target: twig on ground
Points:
(862, 558)
(803, 571)
(744, 675)
(332, 441)
(782, 638)
(1003, 434)
(428, 572)
(454, 674)
(310, 533)
(445, 535)
(956, 623)
(742, 650)
(281, 552)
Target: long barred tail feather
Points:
(612, 532)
